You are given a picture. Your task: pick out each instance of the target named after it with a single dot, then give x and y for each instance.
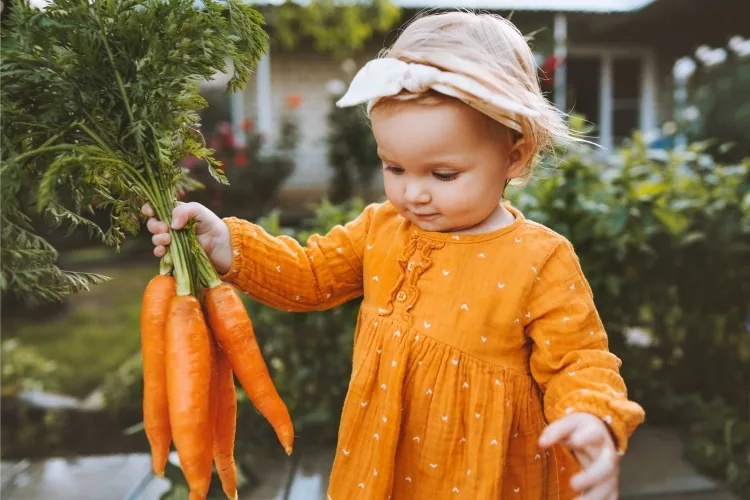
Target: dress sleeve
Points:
(279, 272)
(570, 358)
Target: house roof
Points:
(594, 6)
(602, 6)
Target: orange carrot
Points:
(226, 426)
(189, 365)
(213, 402)
(154, 310)
(234, 333)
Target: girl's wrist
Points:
(221, 254)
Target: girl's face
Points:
(445, 166)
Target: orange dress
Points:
(466, 346)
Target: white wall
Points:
(305, 74)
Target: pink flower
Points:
(224, 128)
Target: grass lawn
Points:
(97, 332)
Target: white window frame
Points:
(648, 112)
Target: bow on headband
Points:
(387, 77)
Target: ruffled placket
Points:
(415, 260)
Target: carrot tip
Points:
(288, 450)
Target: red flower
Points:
(550, 64)
(240, 159)
(293, 101)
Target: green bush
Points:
(23, 369)
(664, 238)
(123, 391)
(256, 169)
(352, 152)
(720, 93)
(310, 354)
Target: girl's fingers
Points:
(602, 491)
(148, 211)
(601, 471)
(155, 226)
(585, 437)
(160, 251)
(183, 212)
(162, 239)
(558, 431)
(190, 210)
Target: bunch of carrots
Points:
(112, 114)
(189, 359)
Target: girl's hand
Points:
(211, 231)
(591, 442)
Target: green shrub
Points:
(352, 152)
(664, 238)
(256, 169)
(123, 391)
(23, 369)
(310, 354)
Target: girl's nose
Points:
(416, 193)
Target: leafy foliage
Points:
(25, 370)
(721, 95)
(664, 238)
(334, 27)
(255, 168)
(99, 105)
(352, 151)
(310, 354)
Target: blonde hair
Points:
(491, 50)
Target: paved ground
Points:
(653, 469)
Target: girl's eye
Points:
(445, 177)
(395, 170)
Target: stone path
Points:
(653, 469)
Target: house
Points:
(610, 61)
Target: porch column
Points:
(561, 55)
(649, 89)
(263, 96)
(237, 114)
(606, 107)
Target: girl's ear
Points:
(519, 158)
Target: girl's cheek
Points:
(450, 195)
(391, 191)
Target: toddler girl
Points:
(480, 365)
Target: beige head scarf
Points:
(385, 77)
